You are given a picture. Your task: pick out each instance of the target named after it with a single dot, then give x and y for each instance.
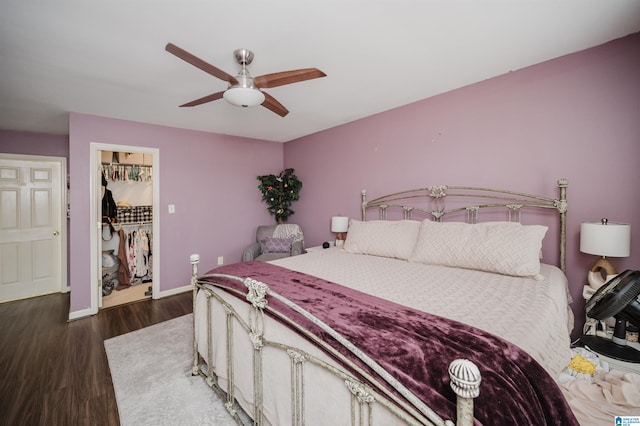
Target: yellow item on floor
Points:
(581, 365)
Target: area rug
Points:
(151, 373)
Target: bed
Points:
(418, 319)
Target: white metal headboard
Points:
(408, 202)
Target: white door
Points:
(30, 228)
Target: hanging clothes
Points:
(138, 243)
(142, 254)
(127, 173)
(124, 277)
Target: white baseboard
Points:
(88, 312)
(81, 314)
(175, 291)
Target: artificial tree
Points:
(279, 191)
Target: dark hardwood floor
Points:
(55, 372)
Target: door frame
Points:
(64, 209)
(95, 205)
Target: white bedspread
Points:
(529, 313)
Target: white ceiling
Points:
(107, 57)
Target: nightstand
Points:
(318, 248)
(313, 249)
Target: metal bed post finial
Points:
(465, 382)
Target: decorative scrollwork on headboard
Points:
(437, 215)
(434, 197)
(561, 205)
(437, 191)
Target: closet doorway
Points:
(127, 237)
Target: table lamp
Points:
(339, 225)
(604, 239)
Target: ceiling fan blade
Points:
(287, 77)
(272, 104)
(197, 62)
(204, 100)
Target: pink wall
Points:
(29, 143)
(576, 117)
(210, 178)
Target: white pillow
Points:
(507, 248)
(386, 238)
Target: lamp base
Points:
(606, 347)
(595, 276)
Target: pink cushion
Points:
(276, 245)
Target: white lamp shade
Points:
(339, 223)
(610, 239)
(243, 96)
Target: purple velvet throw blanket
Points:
(416, 348)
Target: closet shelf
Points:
(125, 164)
(129, 158)
(117, 225)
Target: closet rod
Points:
(135, 223)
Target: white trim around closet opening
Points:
(96, 228)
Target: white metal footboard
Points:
(246, 323)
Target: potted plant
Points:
(279, 191)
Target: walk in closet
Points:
(127, 227)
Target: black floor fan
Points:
(618, 298)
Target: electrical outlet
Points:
(220, 260)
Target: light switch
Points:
(172, 208)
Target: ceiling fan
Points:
(244, 90)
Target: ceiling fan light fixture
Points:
(243, 96)
(242, 90)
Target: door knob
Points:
(56, 233)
